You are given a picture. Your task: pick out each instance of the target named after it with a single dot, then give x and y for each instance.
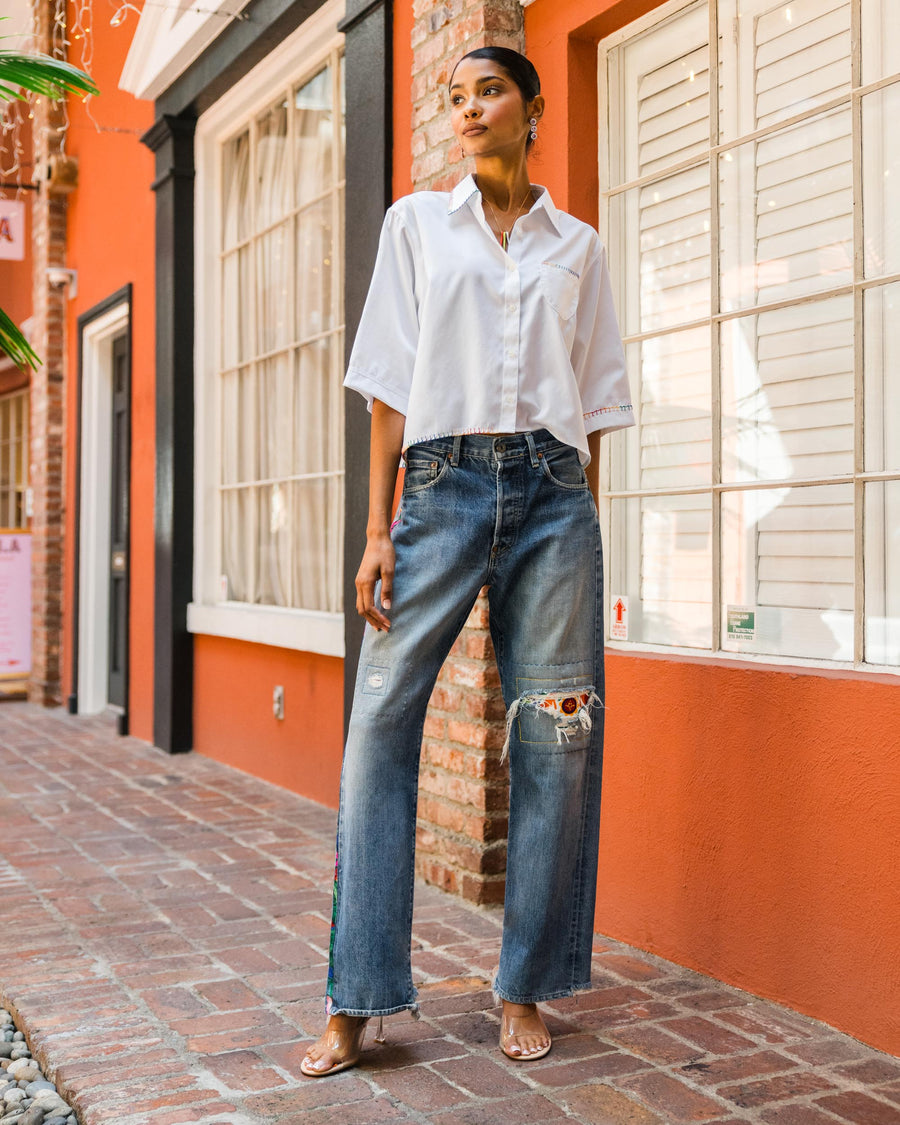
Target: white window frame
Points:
(299, 56)
(94, 509)
(15, 453)
(856, 288)
(169, 37)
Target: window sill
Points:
(301, 629)
(746, 661)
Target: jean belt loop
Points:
(457, 443)
(532, 448)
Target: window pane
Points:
(780, 59)
(881, 180)
(273, 291)
(238, 538)
(318, 543)
(237, 341)
(662, 563)
(239, 460)
(273, 173)
(274, 559)
(316, 395)
(880, 39)
(787, 213)
(881, 348)
(787, 559)
(661, 251)
(883, 572)
(276, 426)
(787, 392)
(236, 190)
(314, 137)
(671, 443)
(665, 105)
(313, 270)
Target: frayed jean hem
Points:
(370, 1012)
(502, 994)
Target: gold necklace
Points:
(504, 234)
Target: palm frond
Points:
(14, 344)
(41, 75)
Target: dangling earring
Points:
(533, 124)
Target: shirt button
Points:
(510, 355)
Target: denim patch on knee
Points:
(376, 681)
(566, 711)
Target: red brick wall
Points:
(463, 789)
(47, 420)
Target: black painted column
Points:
(368, 53)
(172, 140)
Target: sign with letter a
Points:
(12, 230)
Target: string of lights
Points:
(71, 33)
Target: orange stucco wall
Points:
(15, 277)
(111, 243)
(751, 816)
(233, 720)
(303, 751)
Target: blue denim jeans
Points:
(513, 513)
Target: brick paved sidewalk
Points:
(164, 940)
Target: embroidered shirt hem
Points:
(607, 419)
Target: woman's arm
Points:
(592, 472)
(378, 557)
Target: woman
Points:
(489, 355)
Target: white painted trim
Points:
(300, 629)
(94, 508)
(300, 55)
(168, 39)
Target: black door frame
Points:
(122, 296)
(367, 28)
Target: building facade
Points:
(739, 163)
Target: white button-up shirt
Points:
(463, 337)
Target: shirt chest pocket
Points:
(560, 287)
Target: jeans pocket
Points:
(424, 468)
(560, 287)
(562, 467)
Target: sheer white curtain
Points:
(235, 349)
(281, 355)
(317, 499)
(273, 343)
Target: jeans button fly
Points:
(501, 448)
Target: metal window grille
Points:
(771, 159)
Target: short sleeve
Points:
(598, 358)
(384, 350)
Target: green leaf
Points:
(40, 74)
(14, 344)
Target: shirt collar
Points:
(466, 188)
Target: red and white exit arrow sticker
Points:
(618, 626)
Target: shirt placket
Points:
(509, 399)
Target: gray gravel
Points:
(26, 1097)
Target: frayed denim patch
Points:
(571, 708)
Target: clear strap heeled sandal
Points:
(345, 1047)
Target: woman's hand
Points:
(377, 562)
(378, 558)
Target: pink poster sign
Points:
(15, 603)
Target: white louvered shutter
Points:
(664, 274)
(786, 233)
